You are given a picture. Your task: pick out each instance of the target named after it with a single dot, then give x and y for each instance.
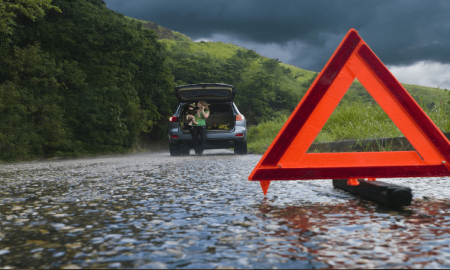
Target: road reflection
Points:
(360, 234)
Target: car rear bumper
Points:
(214, 139)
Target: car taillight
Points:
(174, 136)
(239, 117)
(240, 135)
(173, 119)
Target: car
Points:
(226, 126)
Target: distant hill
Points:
(427, 96)
(357, 116)
(227, 50)
(217, 49)
(163, 32)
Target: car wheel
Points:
(174, 150)
(241, 148)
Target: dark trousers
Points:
(199, 146)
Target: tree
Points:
(31, 106)
(11, 9)
(256, 93)
(80, 79)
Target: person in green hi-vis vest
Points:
(199, 127)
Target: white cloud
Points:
(424, 73)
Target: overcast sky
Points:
(411, 37)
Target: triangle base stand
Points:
(377, 191)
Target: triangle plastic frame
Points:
(286, 158)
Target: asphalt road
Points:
(156, 211)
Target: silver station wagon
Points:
(226, 126)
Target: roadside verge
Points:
(370, 145)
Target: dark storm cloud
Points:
(400, 32)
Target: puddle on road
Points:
(361, 234)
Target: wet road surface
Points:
(156, 211)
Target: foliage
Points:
(82, 79)
(31, 108)
(11, 9)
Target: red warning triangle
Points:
(286, 158)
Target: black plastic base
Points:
(385, 193)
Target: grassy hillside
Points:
(422, 94)
(356, 117)
(163, 33)
(217, 49)
(227, 50)
(427, 95)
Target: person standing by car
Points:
(199, 127)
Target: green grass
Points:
(427, 95)
(262, 135)
(356, 120)
(217, 49)
(301, 74)
(178, 35)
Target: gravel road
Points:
(155, 211)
